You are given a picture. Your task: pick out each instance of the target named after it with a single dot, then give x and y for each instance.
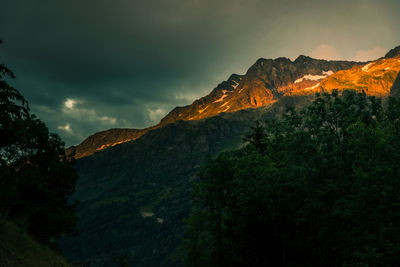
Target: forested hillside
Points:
(317, 187)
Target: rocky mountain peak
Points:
(303, 59)
(235, 78)
(395, 52)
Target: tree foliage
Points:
(36, 179)
(319, 187)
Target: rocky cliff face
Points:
(263, 84)
(395, 52)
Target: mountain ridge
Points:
(375, 78)
(393, 52)
(263, 84)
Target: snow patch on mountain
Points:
(223, 96)
(315, 86)
(228, 107)
(224, 104)
(202, 110)
(366, 67)
(328, 73)
(315, 77)
(235, 85)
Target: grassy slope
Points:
(18, 249)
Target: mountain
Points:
(134, 185)
(263, 84)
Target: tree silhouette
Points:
(36, 178)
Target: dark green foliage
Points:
(36, 179)
(257, 137)
(320, 188)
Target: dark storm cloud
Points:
(127, 63)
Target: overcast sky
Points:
(87, 66)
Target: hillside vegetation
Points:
(17, 248)
(318, 187)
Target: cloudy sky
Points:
(86, 66)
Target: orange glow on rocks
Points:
(375, 79)
(114, 144)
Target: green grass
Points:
(17, 248)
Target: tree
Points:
(36, 178)
(318, 188)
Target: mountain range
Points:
(263, 84)
(134, 185)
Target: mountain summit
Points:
(395, 52)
